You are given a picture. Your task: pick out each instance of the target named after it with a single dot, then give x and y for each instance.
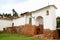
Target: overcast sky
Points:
(21, 6)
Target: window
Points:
(47, 12)
(30, 20)
(12, 24)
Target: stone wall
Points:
(28, 30)
(49, 34)
(1, 31)
(15, 29)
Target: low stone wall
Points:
(30, 30)
(15, 29)
(1, 31)
(53, 34)
(49, 34)
(27, 29)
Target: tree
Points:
(8, 15)
(0, 14)
(15, 13)
(5, 15)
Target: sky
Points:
(22, 6)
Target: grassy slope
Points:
(16, 37)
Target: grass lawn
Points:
(4, 36)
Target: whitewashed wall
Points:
(19, 21)
(27, 19)
(5, 23)
(35, 15)
(49, 21)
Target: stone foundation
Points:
(31, 30)
(53, 34)
(28, 29)
(1, 31)
(49, 34)
(15, 29)
(41, 29)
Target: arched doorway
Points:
(39, 22)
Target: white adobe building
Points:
(44, 16)
(5, 23)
